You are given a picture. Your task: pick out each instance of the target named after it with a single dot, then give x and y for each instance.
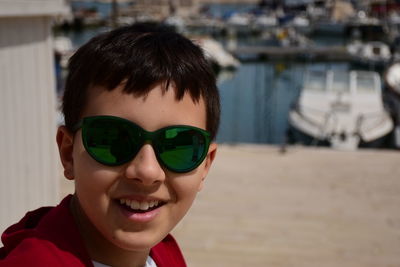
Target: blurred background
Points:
(307, 172)
(265, 53)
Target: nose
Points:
(144, 168)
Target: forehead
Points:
(159, 108)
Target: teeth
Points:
(144, 206)
(136, 205)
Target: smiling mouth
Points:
(139, 206)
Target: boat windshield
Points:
(315, 81)
(340, 82)
(365, 83)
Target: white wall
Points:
(31, 7)
(29, 165)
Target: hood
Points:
(49, 236)
(46, 235)
(25, 228)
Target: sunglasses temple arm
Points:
(77, 126)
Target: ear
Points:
(65, 142)
(212, 151)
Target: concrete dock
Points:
(308, 207)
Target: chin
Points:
(135, 241)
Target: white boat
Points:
(177, 22)
(62, 46)
(240, 19)
(242, 23)
(342, 109)
(302, 24)
(266, 21)
(216, 53)
(392, 77)
(369, 53)
(392, 82)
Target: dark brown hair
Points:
(140, 56)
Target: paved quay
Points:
(308, 207)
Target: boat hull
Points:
(296, 136)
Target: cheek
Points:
(184, 189)
(91, 178)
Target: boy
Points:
(141, 109)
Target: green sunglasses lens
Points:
(110, 141)
(115, 141)
(182, 149)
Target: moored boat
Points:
(392, 97)
(369, 54)
(341, 109)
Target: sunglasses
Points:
(114, 141)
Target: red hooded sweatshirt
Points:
(49, 236)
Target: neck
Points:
(99, 248)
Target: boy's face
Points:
(100, 188)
